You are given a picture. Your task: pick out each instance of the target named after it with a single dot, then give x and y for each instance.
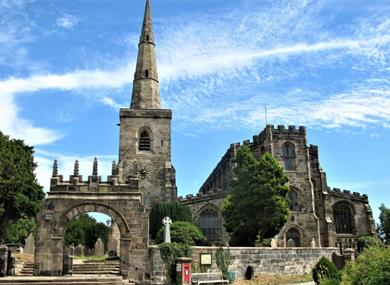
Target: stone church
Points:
(327, 216)
(144, 175)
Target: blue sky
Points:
(67, 66)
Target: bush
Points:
(182, 232)
(223, 258)
(330, 282)
(174, 210)
(325, 269)
(170, 252)
(372, 267)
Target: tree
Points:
(257, 203)
(183, 233)
(86, 230)
(174, 210)
(383, 227)
(18, 231)
(20, 194)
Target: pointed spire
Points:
(146, 91)
(147, 35)
(76, 171)
(55, 168)
(95, 167)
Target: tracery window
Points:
(294, 235)
(289, 156)
(343, 217)
(293, 196)
(209, 224)
(144, 141)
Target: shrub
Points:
(372, 267)
(170, 252)
(174, 210)
(223, 258)
(182, 232)
(325, 269)
(330, 282)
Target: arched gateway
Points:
(144, 175)
(68, 199)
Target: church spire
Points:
(146, 91)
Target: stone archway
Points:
(124, 207)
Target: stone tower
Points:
(145, 128)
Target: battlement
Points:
(190, 198)
(290, 128)
(347, 193)
(94, 182)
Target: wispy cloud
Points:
(67, 21)
(224, 78)
(15, 126)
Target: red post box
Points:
(183, 271)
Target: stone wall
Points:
(264, 260)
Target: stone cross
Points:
(167, 222)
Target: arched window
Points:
(343, 217)
(293, 235)
(144, 141)
(289, 156)
(147, 38)
(146, 73)
(293, 196)
(209, 224)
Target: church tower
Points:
(145, 128)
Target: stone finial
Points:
(76, 168)
(55, 168)
(114, 168)
(95, 167)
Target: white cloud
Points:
(67, 21)
(11, 124)
(110, 102)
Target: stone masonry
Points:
(314, 212)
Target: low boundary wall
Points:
(263, 260)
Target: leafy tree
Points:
(257, 203)
(174, 210)
(182, 233)
(383, 228)
(86, 230)
(20, 194)
(17, 232)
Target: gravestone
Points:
(79, 250)
(290, 243)
(29, 244)
(113, 241)
(167, 222)
(99, 248)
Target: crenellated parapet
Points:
(94, 183)
(200, 197)
(347, 194)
